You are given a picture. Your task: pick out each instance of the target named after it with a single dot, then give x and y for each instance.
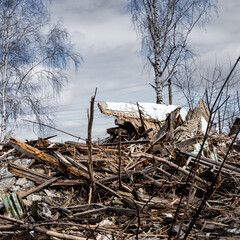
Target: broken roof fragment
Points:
(149, 111)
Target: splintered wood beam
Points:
(35, 153)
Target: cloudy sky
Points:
(103, 34)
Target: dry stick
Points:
(193, 170)
(89, 142)
(48, 182)
(141, 118)
(11, 219)
(210, 191)
(170, 91)
(219, 123)
(217, 187)
(119, 163)
(56, 234)
(6, 154)
(45, 125)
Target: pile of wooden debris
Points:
(140, 184)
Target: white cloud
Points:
(102, 32)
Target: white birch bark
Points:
(3, 125)
(164, 27)
(157, 65)
(4, 78)
(32, 62)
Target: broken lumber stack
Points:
(142, 181)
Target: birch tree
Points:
(33, 56)
(164, 27)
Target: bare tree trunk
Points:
(27, 65)
(170, 91)
(157, 65)
(164, 27)
(3, 125)
(159, 89)
(4, 92)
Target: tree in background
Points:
(211, 82)
(33, 57)
(207, 84)
(188, 82)
(164, 27)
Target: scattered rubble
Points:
(138, 179)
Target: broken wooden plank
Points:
(35, 153)
(27, 173)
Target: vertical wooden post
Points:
(170, 125)
(119, 162)
(142, 129)
(219, 123)
(89, 142)
(170, 91)
(238, 101)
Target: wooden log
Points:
(35, 153)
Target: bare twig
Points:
(119, 162)
(45, 125)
